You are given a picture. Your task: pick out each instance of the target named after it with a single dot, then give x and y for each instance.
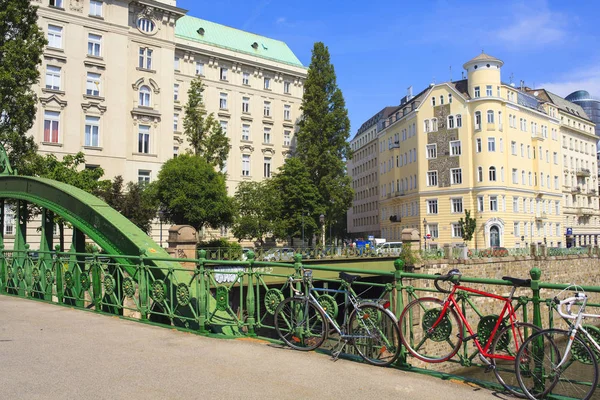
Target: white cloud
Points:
(280, 21)
(581, 79)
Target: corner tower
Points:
(483, 72)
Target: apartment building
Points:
(482, 145)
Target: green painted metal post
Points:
(58, 274)
(399, 306)
(538, 347)
(45, 257)
(2, 269)
(143, 286)
(27, 271)
(19, 255)
(96, 282)
(77, 266)
(2, 222)
(202, 295)
(250, 303)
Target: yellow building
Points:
(481, 145)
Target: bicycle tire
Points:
(451, 324)
(504, 343)
(381, 342)
(577, 378)
(297, 330)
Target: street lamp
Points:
(322, 220)
(161, 215)
(424, 234)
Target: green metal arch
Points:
(101, 223)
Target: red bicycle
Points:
(433, 330)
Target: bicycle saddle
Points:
(348, 278)
(517, 282)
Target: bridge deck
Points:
(56, 352)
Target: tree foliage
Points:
(191, 192)
(203, 131)
(68, 170)
(21, 47)
(323, 133)
(467, 226)
(257, 206)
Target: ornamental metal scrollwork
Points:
(329, 305)
(222, 298)
(444, 328)
(35, 275)
(486, 326)
(9, 272)
(84, 279)
(49, 277)
(20, 273)
(183, 294)
(158, 291)
(109, 284)
(272, 299)
(69, 280)
(128, 287)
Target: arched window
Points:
(434, 125)
(479, 174)
(458, 121)
(477, 119)
(490, 117)
(145, 96)
(449, 98)
(442, 99)
(433, 101)
(450, 122)
(492, 174)
(426, 125)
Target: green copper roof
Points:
(235, 39)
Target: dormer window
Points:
(200, 31)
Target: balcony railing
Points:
(583, 172)
(541, 216)
(576, 189)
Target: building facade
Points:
(481, 145)
(114, 81)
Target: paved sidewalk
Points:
(52, 352)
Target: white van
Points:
(389, 248)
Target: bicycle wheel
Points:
(300, 324)
(430, 345)
(537, 361)
(377, 334)
(504, 344)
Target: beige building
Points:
(494, 149)
(114, 81)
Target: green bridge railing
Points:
(238, 298)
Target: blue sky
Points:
(380, 48)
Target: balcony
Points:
(542, 216)
(583, 172)
(395, 218)
(395, 145)
(400, 193)
(576, 189)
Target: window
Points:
(267, 109)
(145, 96)
(51, 119)
(286, 87)
(223, 74)
(433, 230)
(432, 207)
(9, 221)
(245, 165)
(246, 104)
(245, 132)
(267, 83)
(431, 151)
(176, 92)
(223, 101)
(449, 98)
(175, 122)
(246, 78)
(223, 127)
(515, 176)
(513, 148)
(455, 148)
(145, 25)
(492, 174)
(432, 178)
(52, 77)
(555, 157)
(450, 122)
(55, 36)
(144, 139)
(434, 126)
(516, 230)
(491, 144)
(145, 61)
(267, 167)
(493, 203)
(523, 177)
(480, 203)
(456, 231)
(143, 176)
(176, 63)
(488, 90)
(287, 137)
(457, 205)
(515, 204)
(458, 121)
(441, 99)
(477, 92)
(94, 45)
(199, 68)
(456, 176)
(56, 3)
(479, 174)
(92, 131)
(287, 112)
(490, 117)
(477, 119)
(433, 101)
(92, 85)
(267, 135)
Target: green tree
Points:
(257, 207)
(323, 133)
(191, 192)
(69, 170)
(21, 46)
(204, 132)
(300, 201)
(467, 226)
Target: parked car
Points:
(388, 248)
(279, 254)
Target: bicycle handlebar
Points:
(580, 298)
(453, 276)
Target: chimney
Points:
(409, 93)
